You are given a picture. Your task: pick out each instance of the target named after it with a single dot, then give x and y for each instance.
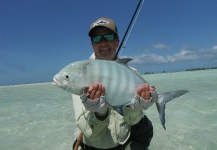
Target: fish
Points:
(116, 76)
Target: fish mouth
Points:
(57, 82)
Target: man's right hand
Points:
(95, 91)
(94, 100)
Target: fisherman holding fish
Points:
(109, 96)
(100, 125)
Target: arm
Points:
(94, 100)
(144, 98)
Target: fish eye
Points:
(67, 77)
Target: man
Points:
(102, 126)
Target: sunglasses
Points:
(106, 37)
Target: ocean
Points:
(40, 116)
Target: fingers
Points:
(144, 91)
(152, 88)
(96, 91)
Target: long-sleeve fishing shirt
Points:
(115, 129)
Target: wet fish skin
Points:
(117, 78)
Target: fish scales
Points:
(127, 85)
(127, 76)
(96, 72)
(107, 74)
(120, 82)
(115, 87)
(116, 78)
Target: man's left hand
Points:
(145, 91)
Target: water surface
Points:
(40, 116)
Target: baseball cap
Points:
(103, 22)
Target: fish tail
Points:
(163, 99)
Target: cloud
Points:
(182, 55)
(160, 46)
(214, 48)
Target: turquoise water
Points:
(41, 117)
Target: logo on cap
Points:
(100, 22)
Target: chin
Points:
(107, 57)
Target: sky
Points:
(39, 37)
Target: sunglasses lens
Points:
(109, 37)
(96, 39)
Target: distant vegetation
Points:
(153, 72)
(193, 69)
(149, 73)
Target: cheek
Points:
(95, 47)
(117, 43)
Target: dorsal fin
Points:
(123, 61)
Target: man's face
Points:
(105, 50)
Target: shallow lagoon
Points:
(40, 116)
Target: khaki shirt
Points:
(109, 133)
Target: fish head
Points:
(70, 79)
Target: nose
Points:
(103, 41)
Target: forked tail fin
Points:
(163, 99)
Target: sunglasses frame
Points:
(103, 37)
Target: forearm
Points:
(142, 104)
(133, 111)
(99, 106)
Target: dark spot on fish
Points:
(86, 66)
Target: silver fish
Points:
(116, 76)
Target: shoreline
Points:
(25, 84)
(187, 70)
(146, 73)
